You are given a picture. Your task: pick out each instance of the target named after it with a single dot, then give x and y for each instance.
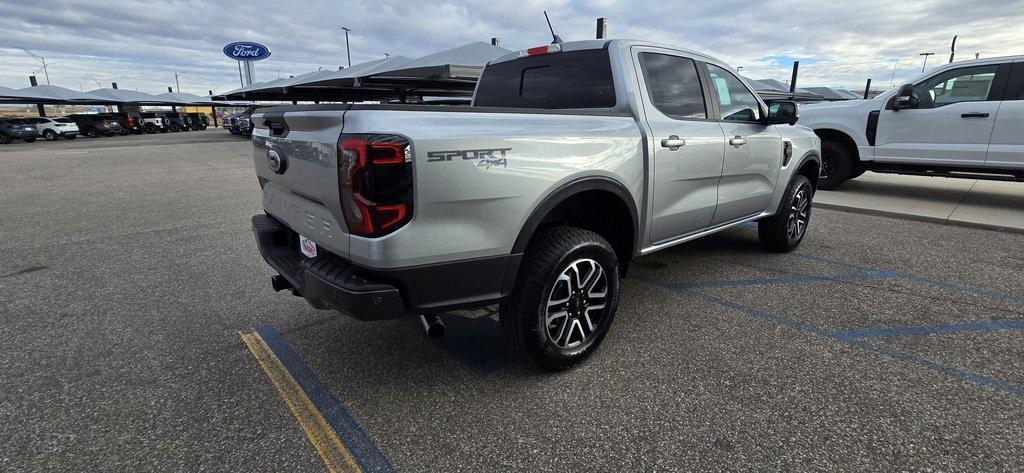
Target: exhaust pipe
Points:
(279, 283)
(433, 326)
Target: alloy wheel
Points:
(799, 214)
(577, 304)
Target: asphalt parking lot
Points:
(128, 272)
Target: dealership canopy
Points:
(452, 72)
(54, 95)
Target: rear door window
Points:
(674, 85)
(569, 80)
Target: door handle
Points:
(673, 143)
(737, 141)
(974, 115)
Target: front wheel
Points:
(92, 133)
(50, 135)
(784, 231)
(564, 300)
(70, 137)
(836, 165)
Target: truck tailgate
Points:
(296, 160)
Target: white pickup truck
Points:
(964, 119)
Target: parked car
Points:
(198, 121)
(131, 122)
(642, 147)
(176, 121)
(959, 120)
(241, 123)
(153, 122)
(52, 128)
(17, 129)
(95, 125)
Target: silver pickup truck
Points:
(573, 159)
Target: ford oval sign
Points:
(246, 51)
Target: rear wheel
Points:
(70, 137)
(836, 165)
(175, 128)
(564, 300)
(30, 139)
(785, 230)
(92, 133)
(50, 135)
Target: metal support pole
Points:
(602, 28)
(240, 80)
(792, 80)
(348, 52)
(867, 89)
(39, 106)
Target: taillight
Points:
(375, 179)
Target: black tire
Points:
(836, 165)
(92, 132)
(70, 137)
(553, 344)
(784, 231)
(30, 139)
(175, 128)
(5, 139)
(49, 135)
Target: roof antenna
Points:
(554, 38)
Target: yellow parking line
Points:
(336, 457)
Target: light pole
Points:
(348, 52)
(739, 68)
(176, 83)
(40, 59)
(925, 60)
(279, 71)
(892, 80)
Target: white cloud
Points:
(141, 44)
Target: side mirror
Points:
(782, 112)
(905, 98)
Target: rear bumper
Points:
(331, 282)
(326, 282)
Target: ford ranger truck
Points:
(961, 120)
(572, 160)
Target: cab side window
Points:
(735, 101)
(674, 85)
(968, 84)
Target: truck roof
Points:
(615, 43)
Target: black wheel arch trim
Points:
(811, 155)
(569, 189)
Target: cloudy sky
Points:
(141, 44)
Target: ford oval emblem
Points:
(276, 162)
(246, 51)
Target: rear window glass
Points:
(575, 79)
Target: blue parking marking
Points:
(796, 279)
(881, 332)
(358, 442)
(805, 327)
(935, 282)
